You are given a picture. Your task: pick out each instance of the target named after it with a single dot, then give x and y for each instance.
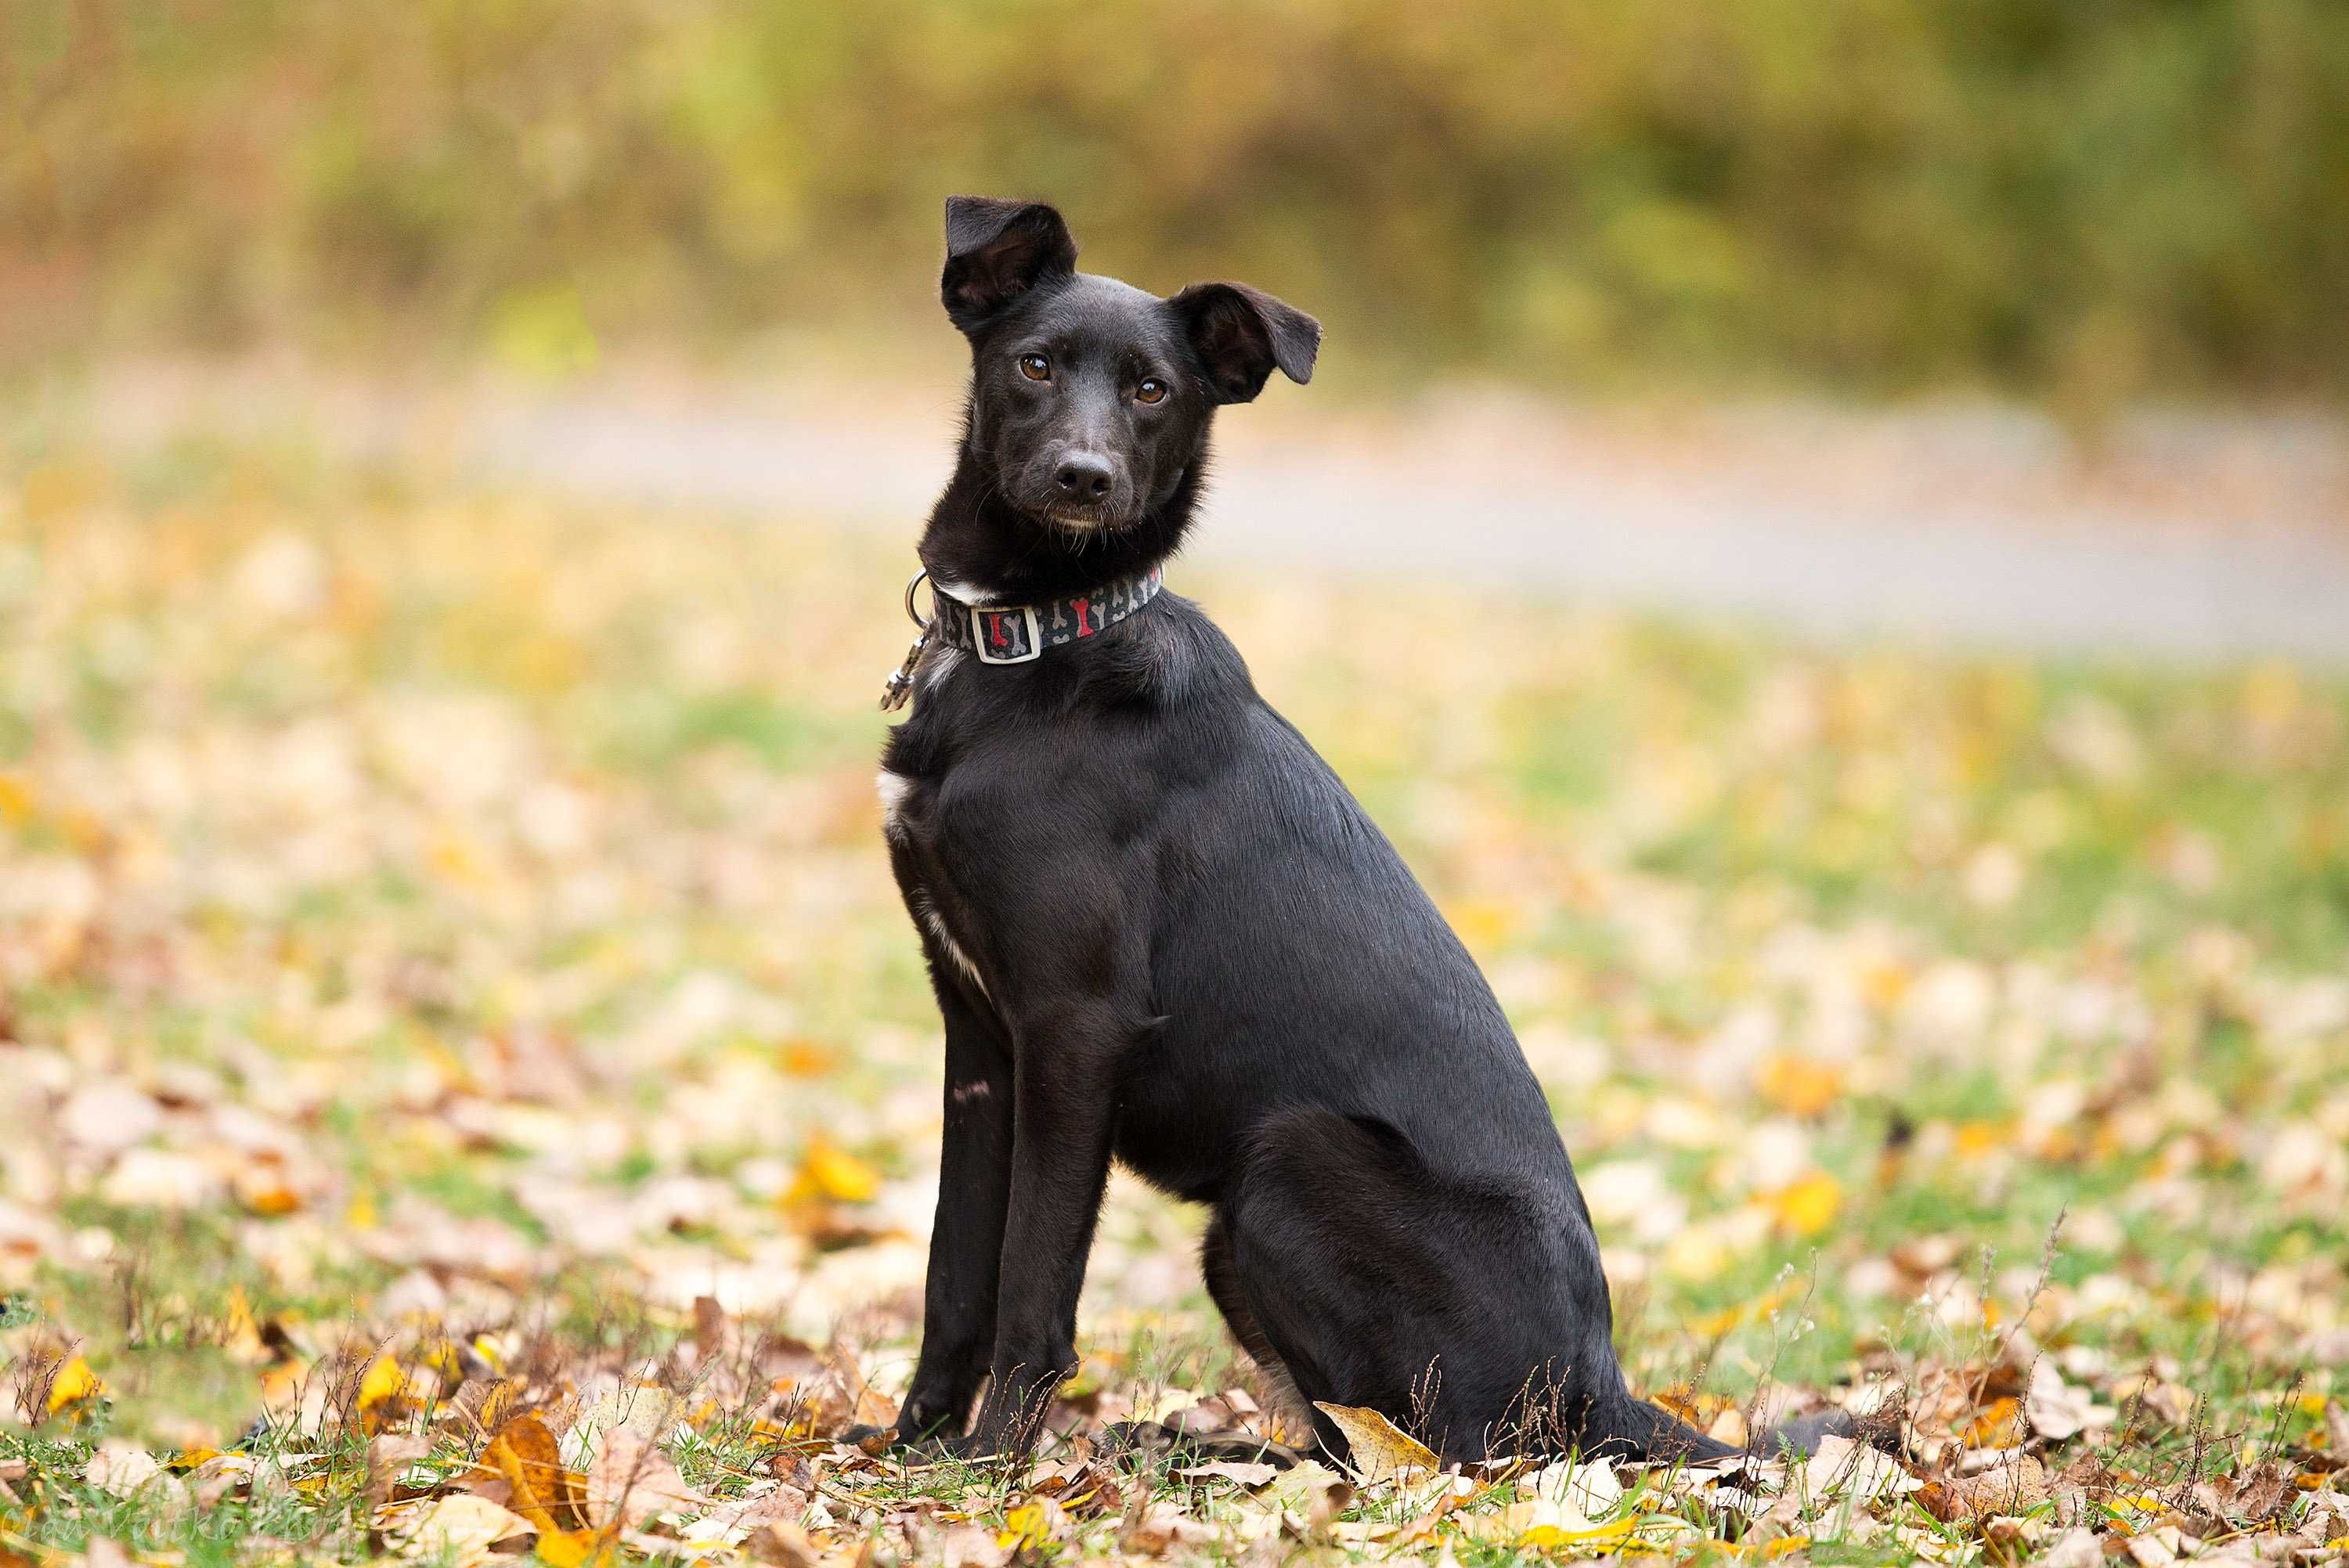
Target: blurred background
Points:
(2083, 204)
(1725, 309)
(1868, 477)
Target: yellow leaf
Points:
(74, 1382)
(1809, 1205)
(1025, 1526)
(1999, 1425)
(15, 800)
(828, 1172)
(1797, 1087)
(270, 1199)
(240, 1331)
(384, 1380)
(567, 1548)
(808, 1058)
(1379, 1451)
(1979, 1137)
(1542, 1537)
(495, 1402)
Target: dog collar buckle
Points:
(1006, 637)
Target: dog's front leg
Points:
(1065, 1066)
(958, 1295)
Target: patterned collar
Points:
(1016, 634)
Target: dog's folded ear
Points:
(997, 250)
(1240, 333)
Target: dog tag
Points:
(899, 688)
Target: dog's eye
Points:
(1150, 391)
(1036, 368)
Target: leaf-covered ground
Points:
(471, 1087)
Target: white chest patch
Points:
(954, 951)
(893, 788)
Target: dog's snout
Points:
(1082, 477)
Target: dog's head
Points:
(1090, 400)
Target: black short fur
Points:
(1161, 931)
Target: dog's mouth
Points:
(1079, 519)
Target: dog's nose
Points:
(1083, 477)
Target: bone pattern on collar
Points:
(1015, 634)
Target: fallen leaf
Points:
(1377, 1450)
(121, 1468)
(1807, 1206)
(74, 1383)
(568, 1548)
(782, 1545)
(2058, 1409)
(631, 1480)
(1031, 1524)
(1240, 1472)
(381, 1384)
(461, 1531)
(1797, 1085)
(525, 1454)
(1589, 1487)
(2013, 1488)
(829, 1172)
(388, 1457)
(1157, 1528)
(1854, 1473)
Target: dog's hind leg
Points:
(1469, 1309)
(1292, 1411)
(1347, 1263)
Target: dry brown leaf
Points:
(525, 1455)
(460, 1530)
(389, 1455)
(631, 1480)
(782, 1546)
(1241, 1474)
(1156, 1528)
(708, 1326)
(2013, 1488)
(2257, 1498)
(1379, 1450)
(2058, 1409)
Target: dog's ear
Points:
(997, 250)
(1240, 333)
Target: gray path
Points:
(1943, 529)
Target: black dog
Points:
(1161, 931)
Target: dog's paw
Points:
(874, 1441)
(928, 1448)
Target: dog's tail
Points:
(1633, 1429)
(1636, 1429)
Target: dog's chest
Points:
(920, 848)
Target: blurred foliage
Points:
(2086, 201)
